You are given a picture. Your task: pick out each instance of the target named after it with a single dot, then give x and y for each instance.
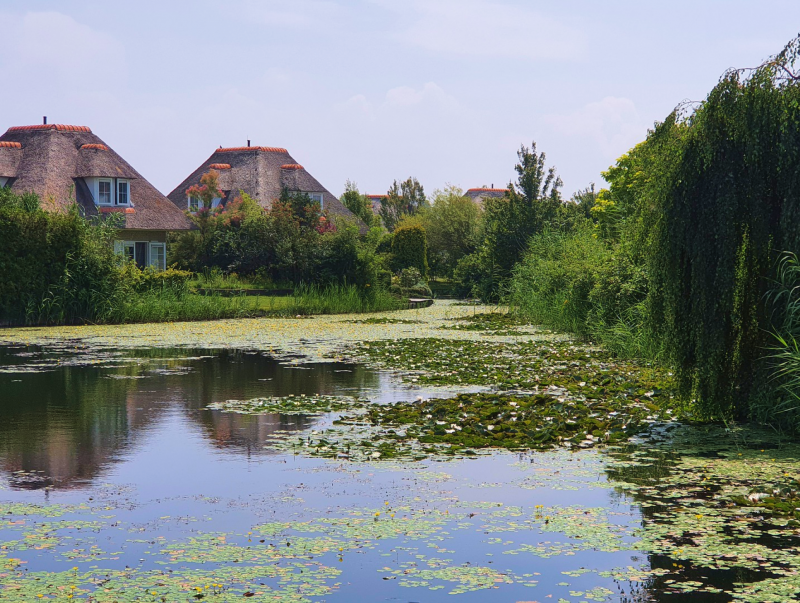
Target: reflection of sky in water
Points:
(144, 445)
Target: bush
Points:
(410, 283)
(410, 249)
(579, 283)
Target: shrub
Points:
(410, 249)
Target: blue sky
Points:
(373, 90)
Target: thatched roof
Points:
(261, 172)
(479, 194)
(51, 160)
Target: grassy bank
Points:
(170, 306)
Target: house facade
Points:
(262, 173)
(69, 164)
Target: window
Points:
(104, 191)
(316, 198)
(194, 204)
(158, 255)
(130, 250)
(122, 192)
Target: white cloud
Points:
(486, 29)
(402, 100)
(613, 124)
(54, 44)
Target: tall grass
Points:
(341, 299)
(575, 282)
(779, 403)
(168, 304)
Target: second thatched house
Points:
(69, 164)
(262, 173)
(478, 195)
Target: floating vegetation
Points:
(490, 323)
(291, 405)
(385, 321)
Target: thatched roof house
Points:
(65, 164)
(261, 172)
(478, 195)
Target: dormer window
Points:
(104, 192)
(315, 198)
(122, 192)
(194, 203)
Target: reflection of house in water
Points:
(66, 426)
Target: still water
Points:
(131, 489)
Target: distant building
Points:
(478, 195)
(376, 203)
(261, 172)
(65, 164)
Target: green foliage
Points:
(403, 199)
(576, 282)
(292, 242)
(410, 248)
(341, 299)
(452, 224)
(359, 204)
(410, 283)
(54, 267)
(531, 204)
(729, 202)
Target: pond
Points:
(118, 483)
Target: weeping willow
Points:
(727, 207)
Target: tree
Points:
(205, 192)
(405, 198)
(203, 196)
(452, 224)
(410, 248)
(359, 204)
(510, 221)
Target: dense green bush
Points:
(54, 267)
(410, 283)
(410, 248)
(293, 242)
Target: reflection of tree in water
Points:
(60, 427)
(646, 471)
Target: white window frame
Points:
(3, 181)
(127, 184)
(193, 204)
(157, 249)
(110, 182)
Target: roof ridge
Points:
(98, 147)
(497, 190)
(58, 127)
(291, 166)
(263, 149)
(219, 166)
(7, 144)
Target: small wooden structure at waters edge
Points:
(418, 302)
(69, 164)
(262, 173)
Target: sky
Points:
(376, 90)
